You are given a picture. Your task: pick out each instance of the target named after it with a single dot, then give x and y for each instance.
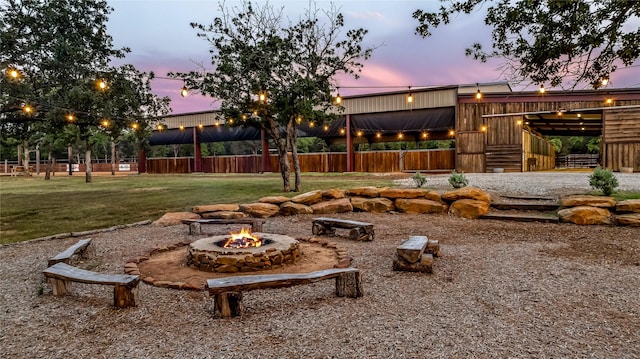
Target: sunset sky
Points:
(161, 40)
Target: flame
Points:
(243, 239)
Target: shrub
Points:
(458, 180)
(419, 179)
(604, 180)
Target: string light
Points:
(262, 97)
(102, 84)
(135, 125)
(105, 123)
(326, 127)
(181, 127)
(604, 81)
(71, 117)
(410, 96)
(452, 133)
(13, 73)
(184, 92)
(27, 109)
(483, 128)
(342, 131)
(542, 89)
(338, 98)
(478, 93)
(425, 135)
(609, 101)
(359, 133)
(160, 127)
(378, 135)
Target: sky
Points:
(160, 37)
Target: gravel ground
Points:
(499, 290)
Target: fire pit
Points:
(243, 252)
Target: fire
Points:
(243, 239)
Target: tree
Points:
(272, 75)
(65, 73)
(560, 42)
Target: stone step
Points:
(521, 217)
(525, 206)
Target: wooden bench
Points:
(75, 250)
(61, 275)
(20, 170)
(416, 255)
(358, 230)
(195, 224)
(228, 291)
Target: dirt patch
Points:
(171, 265)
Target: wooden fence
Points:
(373, 161)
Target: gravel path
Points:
(500, 290)
(553, 183)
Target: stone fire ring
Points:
(206, 255)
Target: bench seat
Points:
(195, 224)
(77, 249)
(61, 275)
(362, 231)
(228, 291)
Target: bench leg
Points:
(195, 229)
(60, 286)
(123, 297)
(349, 285)
(228, 304)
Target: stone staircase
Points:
(524, 209)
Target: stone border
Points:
(131, 266)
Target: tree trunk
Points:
(113, 157)
(25, 161)
(19, 155)
(47, 174)
(70, 155)
(87, 162)
(283, 160)
(293, 140)
(38, 159)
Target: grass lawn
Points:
(32, 207)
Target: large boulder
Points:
(629, 219)
(419, 205)
(585, 215)
(224, 215)
(469, 208)
(274, 199)
(368, 191)
(586, 200)
(333, 194)
(260, 210)
(409, 193)
(215, 208)
(466, 193)
(377, 205)
(334, 206)
(629, 205)
(291, 209)
(173, 218)
(308, 197)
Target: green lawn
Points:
(32, 207)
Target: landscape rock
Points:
(174, 218)
(368, 191)
(469, 208)
(629, 205)
(467, 193)
(377, 205)
(308, 197)
(223, 215)
(215, 208)
(585, 215)
(629, 219)
(418, 205)
(403, 193)
(274, 199)
(260, 210)
(335, 206)
(333, 194)
(292, 209)
(586, 200)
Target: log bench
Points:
(228, 291)
(416, 255)
(75, 250)
(357, 230)
(61, 275)
(195, 224)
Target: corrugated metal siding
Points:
(398, 102)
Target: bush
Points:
(604, 180)
(419, 179)
(458, 180)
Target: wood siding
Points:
(540, 149)
(375, 161)
(470, 149)
(616, 155)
